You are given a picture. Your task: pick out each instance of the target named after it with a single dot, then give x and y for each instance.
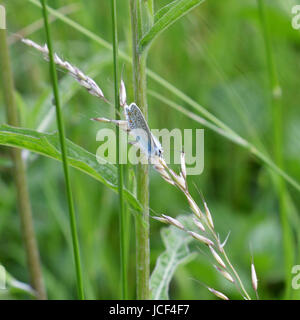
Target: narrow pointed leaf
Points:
(48, 145)
(166, 17)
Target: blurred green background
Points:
(216, 55)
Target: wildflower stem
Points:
(123, 225)
(19, 170)
(61, 132)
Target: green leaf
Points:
(48, 145)
(164, 10)
(177, 252)
(166, 17)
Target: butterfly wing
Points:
(139, 128)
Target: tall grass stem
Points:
(123, 225)
(277, 125)
(62, 139)
(142, 174)
(19, 171)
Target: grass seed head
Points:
(201, 238)
(77, 74)
(254, 277)
(174, 222)
(163, 174)
(160, 219)
(208, 215)
(178, 179)
(217, 258)
(183, 165)
(122, 94)
(218, 294)
(225, 274)
(198, 224)
(194, 206)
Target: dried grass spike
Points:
(121, 123)
(200, 238)
(198, 224)
(218, 294)
(208, 215)
(160, 219)
(217, 258)
(76, 73)
(194, 206)
(254, 277)
(122, 94)
(225, 274)
(222, 245)
(174, 222)
(183, 165)
(179, 180)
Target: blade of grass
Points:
(195, 117)
(175, 11)
(48, 145)
(276, 105)
(64, 156)
(123, 233)
(162, 11)
(19, 171)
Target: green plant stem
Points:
(64, 156)
(123, 225)
(276, 105)
(142, 175)
(237, 276)
(19, 171)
